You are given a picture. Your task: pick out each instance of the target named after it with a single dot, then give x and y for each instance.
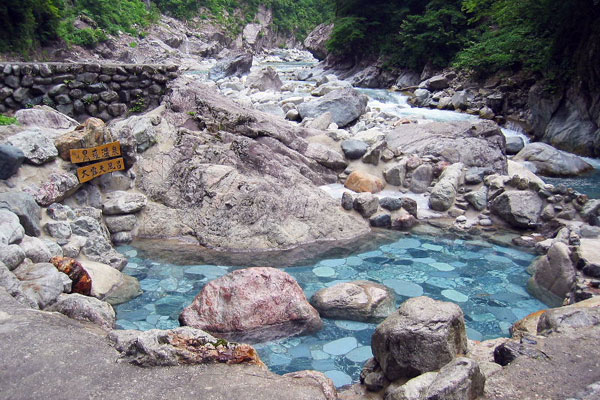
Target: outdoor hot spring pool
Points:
(488, 282)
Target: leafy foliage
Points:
(4, 120)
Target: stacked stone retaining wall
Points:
(81, 90)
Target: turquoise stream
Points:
(487, 281)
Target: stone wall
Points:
(82, 90)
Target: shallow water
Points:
(486, 280)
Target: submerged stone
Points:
(455, 295)
(404, 288)
(340, 346)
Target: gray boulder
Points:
(444, 192)
(437, 82)
(35, 249)
(98, 248)
(422, 336)
(325, 156)
(321, 122)
(566, 318)
(366, 204)
(421, 178)
(460, 379)
(88, 227)
(391, 203)
(265, 79)
(25, 206)
(11, 230)
(478, 198)
(121, 202)
(42, 282)
(414, 389)
(60, 212)
(395, 174)
(121, 238)
(549, 161)
(460, 100)
(345, 105)
(354, 149)
(475, 144)
(59, 187)
(554, 275)
(45, 117)
(514, 144)
(237, 65)
(13, 286)
(120, 223)
(357, 301)
(11, 158)
(85, 308)
(35, 145)
(422, 97)
(11, 256)
(521, 209)
(58, 229)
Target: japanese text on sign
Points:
(92, 171)
(96, 153)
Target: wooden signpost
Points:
(91, 171)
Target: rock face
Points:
(554, 275)
(121, 202)
(265, 79)
(423, 335)
(237, 65)
(478, 144)
(444, 192)
(549, 161)
(11, 158)
(245, 182)
(316, 40)
(254, 304)
(358, 301)
(84, 308)
(345, 106)
(363, 182)
(520, 209)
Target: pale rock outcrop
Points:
(345, 106)
(445, 190)
(549, 161)
(84, 308)
(520, 209)
(554, 275)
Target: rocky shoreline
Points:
(237, 164)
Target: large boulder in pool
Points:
(554, 275)
(357, 301)
(236, 65)
(345, 106)
(475, 144)
(548, 161)
(253, 305)
(422, 336)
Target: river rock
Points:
(347, 201)
(58, 229)
(11, 158)
(326, 384)
(460, 379)
(437, 82)
(404, 221)
(422, 97)
(35, 249)
(42, 282)
(554, 275)
(444, 192)
(325, 156)
(478, 198)
(121, 202)
(255, 304)
(13, 286)
(87, 226)
(316, 40)
(364, 182)
(44, 117)
(421, 178)
(60, 212)
(58, 187)
(358, 301)
(366, 204)
(137, 134)
(514, 144)
(26, 208)
(414, 389)
(11, 256)
(179, 346)
(475, 144)
(84, 308)
(264, 79)
(11, 230)
(381, 220)
(93, 132)
(566, 318)
(587, 257)
(422, 336)
(236, 65)
(109, 284)
(460, 100)
(345, 105)
(549, 161)
(98, 248)
(321, 122)
(390, 203)
(395, 174)
(354, 149)
(35, 145)
(120, 223)
(520, 209)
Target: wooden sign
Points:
(96, 153)
(92, 171)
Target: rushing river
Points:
(487, 281)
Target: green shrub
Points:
(4, 120)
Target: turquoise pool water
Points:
(487, 281)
